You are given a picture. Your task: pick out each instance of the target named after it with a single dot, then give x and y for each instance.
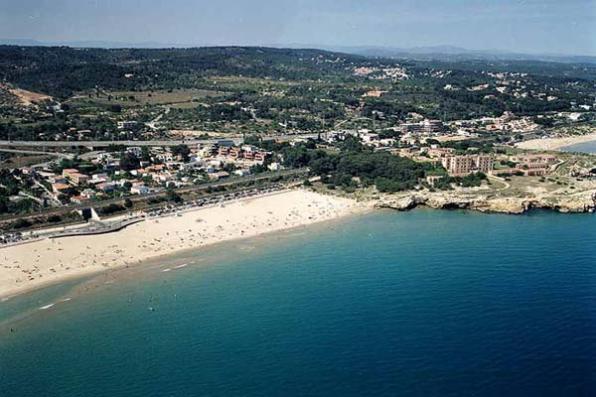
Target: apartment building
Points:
(425, 127)
(465, 165)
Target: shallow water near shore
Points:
(419, 303)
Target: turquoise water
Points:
(425, 303)
(588, 147)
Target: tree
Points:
(3, 205)
(173, 196)
(54, 218)
(351, 144)
(115, 108)
(388, 172)
(296, 156)
(145, 154)
(182, 151)
(129, 162)
(252, 140)
(323, 164)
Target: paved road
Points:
(288, 137)
(119, 143)
(68, 144)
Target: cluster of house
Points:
(514, 84)
(123, 129)
(507, 122)
(247, 152)
(70, 134)
(163, 169)
(394, 73)
(409, 132)
(72, 178)
(77, 134)
(531, 164)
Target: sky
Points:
(524, 26)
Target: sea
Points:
(586, 147)
(421, 303)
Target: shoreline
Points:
(556, 144)
(497, 207)
(23, 270)
(579, 203)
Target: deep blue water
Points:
(425, 303)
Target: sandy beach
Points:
(29, 266)
(556, 143)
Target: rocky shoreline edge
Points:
(503, 205)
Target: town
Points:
(121, 152)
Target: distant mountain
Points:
(440, 52)
(452, 53)
(22, 42)
(88, 44)
(439, 49)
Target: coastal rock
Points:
(502, 205)
(482, 203)
(403, 203)
(449, 201)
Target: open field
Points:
(25, 97)
(22, 160)
(29, 97)
(180, 97)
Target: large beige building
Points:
(484, 164)
(465, 165)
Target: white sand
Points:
(33, 265)
(556, 143)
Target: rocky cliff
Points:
(483, 203)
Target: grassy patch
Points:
(143, 98)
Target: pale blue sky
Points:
(532, 26)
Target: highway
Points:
(98, 144)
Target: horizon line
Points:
(113, 45)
